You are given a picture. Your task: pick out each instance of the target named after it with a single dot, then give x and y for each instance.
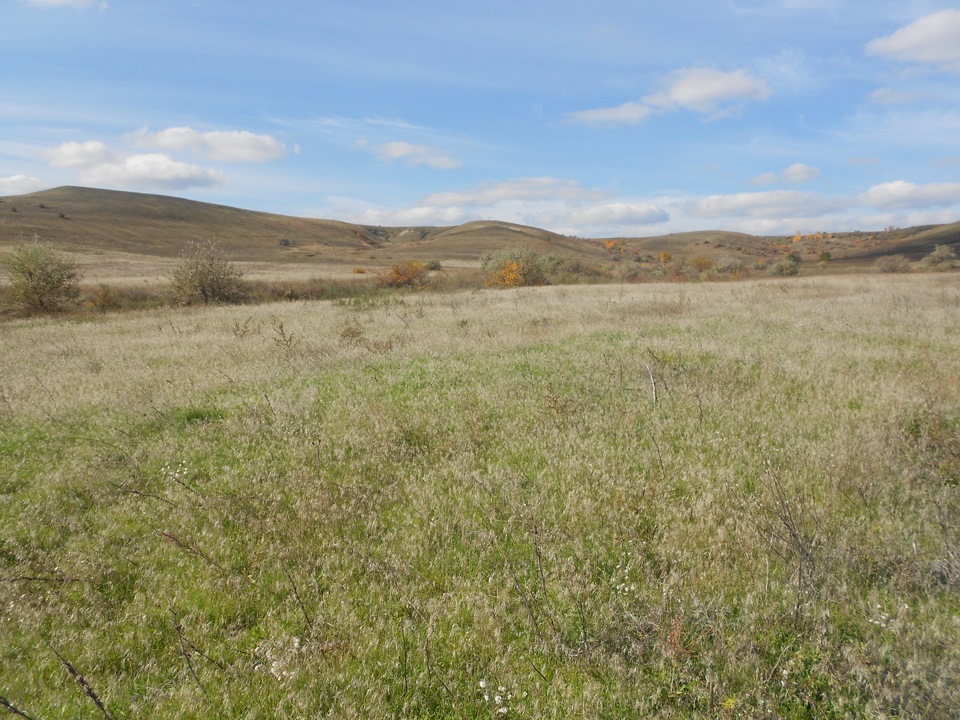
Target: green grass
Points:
(700, 501)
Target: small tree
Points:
(205, 274)
(41, 279)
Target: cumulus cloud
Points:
(553, 203)
(79, 154)
(902, 195)
(617, 213)
(97, 164)
(707, 90)
(221, 145)
(519, 190)
(796, 173)
(150, 171)
(932, 39)
(20, 184)
(412, 154)
(774, 204)
(414, 216)
(703, 90)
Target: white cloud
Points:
(222, 145)
(151, 171)
(617, 213)
(702, 90)
(775, 204)
(796, 173)
(889, 96)
(20, 184)
(901, 195)
(419, 215)
(631, 113)
(932, 39)
(79, 154)
(412, 154)
(552, 203)
(706, 90)
(519, 190)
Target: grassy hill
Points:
(85, 220)
(104, 224)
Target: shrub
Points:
(517, 267)
(730, 265)
(408, 274)
(206, 275)
(790, 265)
(702, 264)
(105, 298)
(434, 265)
(892, 264)
(943, 257)
(41, 279)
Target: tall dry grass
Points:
(735, 500)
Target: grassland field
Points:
(715, 500)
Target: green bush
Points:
(41, 279)
(515, 267)
(206, 275)
(790, 265)
(942, 258)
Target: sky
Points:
(594, 118)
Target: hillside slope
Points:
(89, 221)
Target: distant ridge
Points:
(85, 220)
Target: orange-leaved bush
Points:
(407, 274)
(514, 268)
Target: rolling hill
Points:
(90, 221)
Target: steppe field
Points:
(702, 500)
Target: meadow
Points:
(708, 500)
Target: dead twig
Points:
(186, 655)
(191, 549)
(82, 682)
(11, 708)
(296, 594)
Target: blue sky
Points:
(595, 118)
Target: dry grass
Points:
(717, 500)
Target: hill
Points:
(98, 223)
(90, 220)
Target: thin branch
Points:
(186, 655)
(82, 682)
(191, 549)
(11, 708)
(296, 594)
(537, 671)
(141, 493)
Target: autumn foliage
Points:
(515, 268)
(407, 274)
